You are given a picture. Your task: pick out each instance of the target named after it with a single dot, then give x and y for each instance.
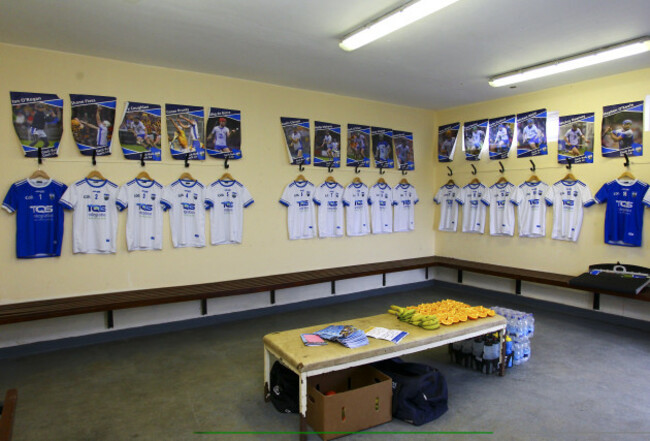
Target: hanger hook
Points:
(187, 160)
(142, 159)
(501, 165)
(450, 172)
(533, 168)
(94, 156)
(40, 155)
(627, 160)
(356, 169)
(404, 172)
(381, 170)
(568, 160)
(300, 167)
(474, 171)
(329, 167)
(225, 163)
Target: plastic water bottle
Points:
(525, 349)
(511, 326)
(521, 328)
(518, 353)
(531, 325)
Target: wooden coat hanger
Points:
(381, 181)
(357, 181)
(186, 177)
(144, 176)
(627, 175)
(330, 179)
(569, 177)
(96, 175)
(474, 181)
(533, 178)
(450, 182)
(404, 181)
(502, 180)
(39, 174)
(226, 177)
(300, 178)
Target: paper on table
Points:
(394, 335)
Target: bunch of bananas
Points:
(413, 317)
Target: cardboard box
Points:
(362, 399)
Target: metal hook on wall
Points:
(502, 169)
(474, 171)
(450, 171)
(533, 168)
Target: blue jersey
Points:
(624, 213)
(39, 217)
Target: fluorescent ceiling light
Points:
(597, 56)
(397, 19)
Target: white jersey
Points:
(329, 198)
(227, 200)
(220, 136)
(573, 136)
(94, 222)
(295, 140)
(380, 198)
(446, 197)
(502, 211)
(532, 134)
(501, 138)
(194, 131)
(355, 198)
(327, 140)
(568, 199)
(185, 201)
(474, 208)
(531, 208)
(301, 215)
(404, 199)
(140, 129)
(144, 221)
(102, 135)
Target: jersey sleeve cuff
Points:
(120, 205)
(548, 202)
(165, 205)
(590, 202)
(248, 203)
(65, 204)
(316, 201)
(486, 203)
(8, 208)
(285, 203)
(513, 202)
(436, 201)
(416, 201)
(459, 202)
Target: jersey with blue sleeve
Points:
(94, 221)
(446, 198)
(568, 199)
(185, 201)
(39, 217)
(624, 213)
(329, 198)
(404, 199)
(301, 214)
(144, 221)
(474, 209)
(355, 199)
(227, 200)
(502, 212)
(531, 208)
(380, 198)
(627, 137)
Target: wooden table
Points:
(307, 361)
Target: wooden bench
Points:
(42, 309)
(7, 413)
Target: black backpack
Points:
(284, 388)
(419, 390)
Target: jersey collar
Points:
(227, 182)
(141, 183)
(186, 183)
(39, 183)
(95, 183)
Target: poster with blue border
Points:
(223, 131)
(185, 128)
(404, 153)
(475, 139)
(447, 140)
(296, 136)
(92, 120)
(382, 147)
(140, 133)
(575, 142)
(502, 136)
(327, 144)
(37, 120)
(358, 154)
(622, 130)
(531, 134)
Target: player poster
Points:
(140, 131)
(92, 121)
(622, 131)
(296, 135)
(37, 122)
(185, 131)
(327, 142)
(576, 139)
(358, 146)
(447, 136)
(382, 147)
(475, 137)
(404, 150)
(223, 138)
(531, 134)
(502, 136)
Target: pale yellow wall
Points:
(264, 170)
(547, 254)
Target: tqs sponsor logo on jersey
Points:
(534, 202)
(145, 207)
(42, 209)
(358, 203)
(303, 204)
(332, 204)
(188, 206)
(408, 203)
(450, 202)
(625, 204)
(94, 208)
(568, 202)
(501, 203)
(227, 204)
(474, 203)
(382, 203)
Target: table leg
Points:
(303, 428)
(267, 375)
(303, 406)
(502, 353)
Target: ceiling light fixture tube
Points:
(590, 58)
(397, 19)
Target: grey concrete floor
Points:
(586, 380)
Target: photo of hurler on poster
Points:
(296, 136)
(576, 139)
(475, 139)
(501, 136)
(447, 136)
(92, 120)
(37, 122)
(358, 146)
(404, 150)
(223, 131)
(531, 134)
(382, 147)
(185, 131)
(327, 144)
(140, 131)
(622, 132)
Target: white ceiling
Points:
(441, 61)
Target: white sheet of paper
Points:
(552, 126)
